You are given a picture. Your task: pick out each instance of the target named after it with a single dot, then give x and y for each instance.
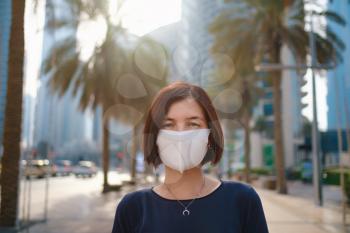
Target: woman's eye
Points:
(194, 125)
(166, 125)
(188, 125)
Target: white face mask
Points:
(182, 150)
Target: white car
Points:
(38, 168)
(85, 169)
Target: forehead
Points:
(185, 109)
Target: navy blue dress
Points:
(233, 207)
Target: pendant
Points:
(186, 212)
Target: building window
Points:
(268, 109)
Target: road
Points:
(77, 205)
(69, 198)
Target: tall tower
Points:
(338, 80)
(27, 126)
(5, 24)
(58, 120)
(292, 106)
(196, 40)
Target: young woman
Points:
(183, 132)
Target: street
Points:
(77, 205)
(74, 203)
(88, 85)
(285, 213)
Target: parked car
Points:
(38, 168)
(63, 167)
(85, 169)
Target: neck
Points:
(184, 185)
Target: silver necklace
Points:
(186, 212)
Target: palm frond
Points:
(326, 52)
(61, 51)
(332, 16)
(333, 37)
(63, 75)
(296, 38)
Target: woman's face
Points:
(185, 114)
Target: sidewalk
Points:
(94, 212)
(285, 213)
(332, 195)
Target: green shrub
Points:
(347, 187)
(261, 171)
(257, 171)
(332, 177)
(294, 173)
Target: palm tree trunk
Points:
(247, 146)
(105, 122)
(105, 151)
(13, 119)
(278, 126)
(133, 154)
(246, 125)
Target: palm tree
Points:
(13, 116)
(261, 28)
(250, 94)
(246, 82)
(111, 77)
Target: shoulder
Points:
(247, 200)
(128, 211)
(133, 199)
(239, 187)
(241, 191)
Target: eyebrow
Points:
(188, 118)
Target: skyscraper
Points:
(5, 24)
(292, 118)
(170, 36)
(196, 40)
(338, 80)
(27, 121)
(58, 120)
(292, 107)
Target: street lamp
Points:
(317, 179)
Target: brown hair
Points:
(168, 95)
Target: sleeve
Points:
(122, 222)
(255, 221)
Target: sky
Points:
(140, 17)
(33, 44)
(143, 16)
